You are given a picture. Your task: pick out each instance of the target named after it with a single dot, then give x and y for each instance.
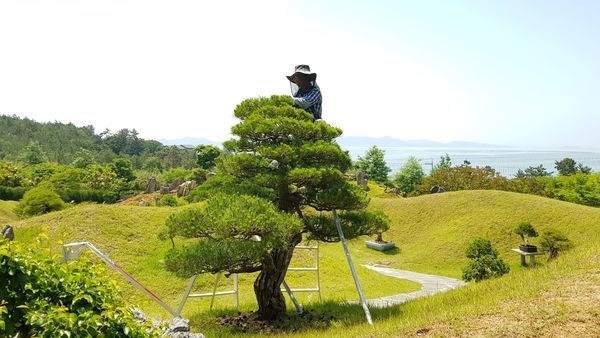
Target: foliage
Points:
(463, 177)
(207, 155)
(525, 230)
(42, 298)
(538, 185)
(445, 162)
(235, 234)
(538, 171)
(10, 174)
(373, 165)
(554, 241)
(578, 188)
(169, 200)
(33, 154)
(485, 261)
(80, 146)
(123, 168)
(567, 166)
(410, 175)
(39, 201)
(35, 174)
(176, 174)
(83, 158)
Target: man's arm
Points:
(312, 97)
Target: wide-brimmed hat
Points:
(303, 69)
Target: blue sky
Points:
(502, 72)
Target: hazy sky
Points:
(510, 72)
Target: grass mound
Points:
(431, 233)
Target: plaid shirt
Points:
(310, 100)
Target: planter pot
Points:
(381, 246)
(528, 248)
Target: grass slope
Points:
(556, 298)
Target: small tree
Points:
(445, 162)
(538, 171)
(373, 165)
(553, 242)
(410, 175)
(525, 230)
(568, 166)
(33, 154)
(485, 262)
(207, 155)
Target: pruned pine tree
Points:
(278, 156)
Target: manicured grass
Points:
(7, 214)
(431, 233)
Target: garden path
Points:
(432, 284)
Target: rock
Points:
(8, 232)
(152, 185)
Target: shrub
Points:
(169, 200)
(39, 201)
(463, 177)
(553, 241)
(485, 262)
(43, 298)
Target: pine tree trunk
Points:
(267, 286)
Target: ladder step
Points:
(220, 293)
(303, 290)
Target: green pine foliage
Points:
(485, 262)
(373, 164)
(38, 201)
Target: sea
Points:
(506, 161)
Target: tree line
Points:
(29, 142)
(574, 182)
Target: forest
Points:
(79, 164)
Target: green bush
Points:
(40, 297)
(553, 242)
(485, 262)
(463, 177)
(12, 193)
(169, 200)
(38, 201)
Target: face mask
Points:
(294, 88)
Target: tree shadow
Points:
(315, 317)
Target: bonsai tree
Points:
(281, 157)
(525, 230)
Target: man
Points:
(305, 91)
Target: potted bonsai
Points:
(381, 223)
(526, 230)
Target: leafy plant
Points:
(485, 261)
(39, 201)
(553, 242)
(373, 165)
(409, 176)
(525, 230)
(40, 297)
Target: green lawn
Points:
(431, 233)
